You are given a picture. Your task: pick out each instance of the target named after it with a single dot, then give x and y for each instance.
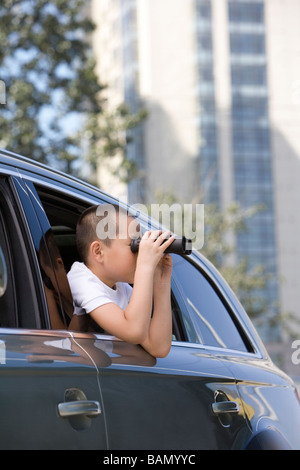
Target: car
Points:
(63, 388)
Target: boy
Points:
(100, 284)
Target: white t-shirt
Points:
(89, 292)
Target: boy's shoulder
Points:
(78, 269)
(80, 273)
(89, 292)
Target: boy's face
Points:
(119, 261)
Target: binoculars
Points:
(180, 246)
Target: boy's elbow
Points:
(137, 336)
(163, 352)
(158, 351)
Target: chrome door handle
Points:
(79, 407)
(225, 407)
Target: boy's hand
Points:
(152, 247)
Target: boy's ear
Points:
(96, 250)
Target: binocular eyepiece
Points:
(180, 246)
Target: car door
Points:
(49, 393)
(188, 400)
(270, 401)
(267, 395)
(184, 401)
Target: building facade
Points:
(220, 80)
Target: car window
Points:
(198, 313)
(7, 298)
(209, 320)
(3, 268)
(20, 304)
(62, 213)
(56, 287)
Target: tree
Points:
(221, 229)
(54, 97)
(109, 134)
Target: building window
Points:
(246, 12)
(203, 9)
(244, 43)
(253, 75)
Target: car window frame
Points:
(65, 201)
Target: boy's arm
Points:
(132, 324)
(159, 338)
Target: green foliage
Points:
(54, 98)
(109, 134)
(221, 229)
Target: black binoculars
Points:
(180, 246)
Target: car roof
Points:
(40, 173)
(19, 164)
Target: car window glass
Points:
(208, 314)
(21, 305)
(60, 248)
(51, 264)
(56, 286)
(3, 272)
(7, 300)
(183, 328)
(35, 237)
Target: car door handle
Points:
(78, 408)
(225, 407)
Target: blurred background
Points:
(186, 101)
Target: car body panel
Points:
(269, 398)
(36, 370)
(165, 403)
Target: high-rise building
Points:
(221, 82)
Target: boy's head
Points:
(104, 222)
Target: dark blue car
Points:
(82, 389)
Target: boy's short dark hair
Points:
(87, 229)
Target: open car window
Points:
(199, 314)
(62, 213)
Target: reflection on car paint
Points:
(3, 273)
(2, 352)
